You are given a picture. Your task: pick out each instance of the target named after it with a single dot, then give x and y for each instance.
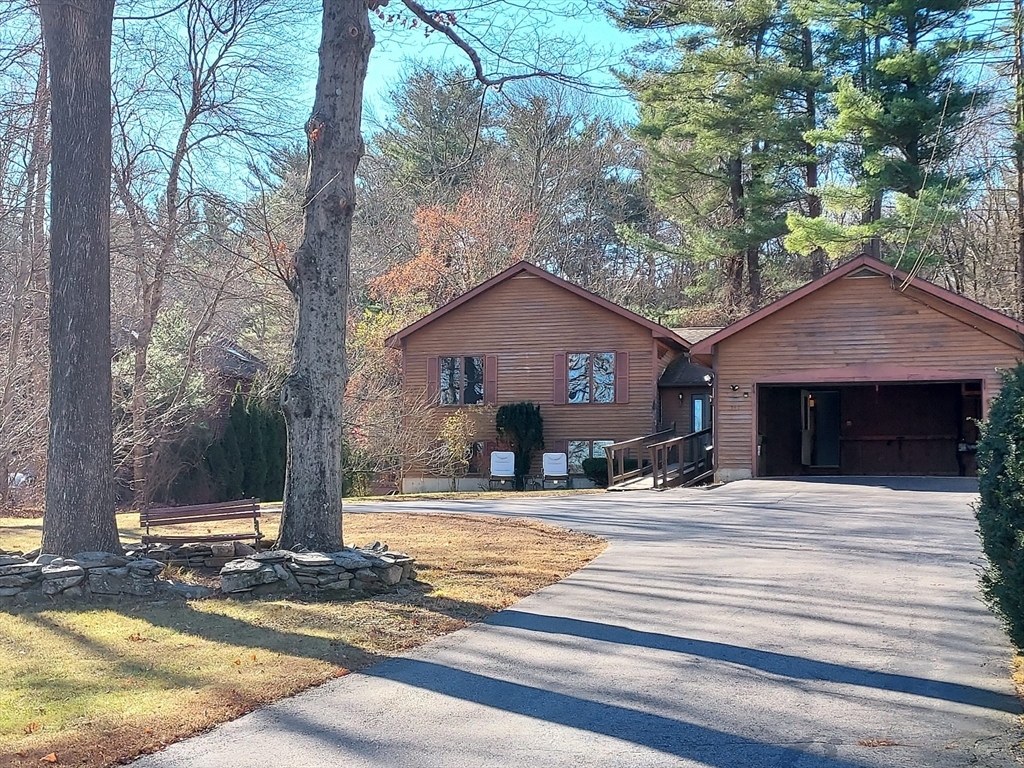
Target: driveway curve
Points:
(759, 624)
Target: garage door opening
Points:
(868, 429)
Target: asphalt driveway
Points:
(761, 624)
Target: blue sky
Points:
(572, 35)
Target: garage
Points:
(864, 371)
(868, 429)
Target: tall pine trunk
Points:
(735, 262)
(313, 391)
(819, 260)
(79, 483)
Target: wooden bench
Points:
(245, 509)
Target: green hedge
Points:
(1000, 511)
(597, 470)
(248, 460)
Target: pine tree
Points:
(898, 112)
(438, 135)
(725, 137)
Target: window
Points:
(462, 380)
(591, 377)
(584, 449)
(699, 413)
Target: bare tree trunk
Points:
(79, 485)
(312, 392)
(1018, 142)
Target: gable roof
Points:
(868, 265)
(657, 331)
(682, 372)
(693, 334)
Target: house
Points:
(863, 371)
(592, 366)
(685, 387)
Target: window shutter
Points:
(433, 379)
(561, 392)
(491, 380)
(560, 446)
(622, 377)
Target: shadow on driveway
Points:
(707, 746)
(780, 664)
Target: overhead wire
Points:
(920, 257)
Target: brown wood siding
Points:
(857, 325)
(525, 322)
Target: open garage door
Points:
(868, 429)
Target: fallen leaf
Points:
(32, 728)
(50, 758)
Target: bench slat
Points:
(170, 519)
(201, 513)
(242, 504)
(147, 539)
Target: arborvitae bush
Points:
(275, 435)
(248, 460)
(255, 484)
(1000, 512)
(521, 425)
(232, 475)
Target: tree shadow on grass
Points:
(127, 667)
(183, 618)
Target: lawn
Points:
(97, 684)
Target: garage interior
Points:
(868, 429)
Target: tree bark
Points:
(1018, 143)
(819, 260)
(312, 392)
(79, 484)
(735, 262)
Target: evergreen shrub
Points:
(522, 427)
(1000, 512)
(596, 470)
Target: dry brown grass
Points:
(96, 685)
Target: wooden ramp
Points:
(653, 462)
(641, 483)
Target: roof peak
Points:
(657, 330)
(862, 266)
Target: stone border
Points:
(367, 569)
(84, 575)
(25, 579)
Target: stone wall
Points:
(370, 568)
(137, 574)
(200, 554)
(85, 574)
